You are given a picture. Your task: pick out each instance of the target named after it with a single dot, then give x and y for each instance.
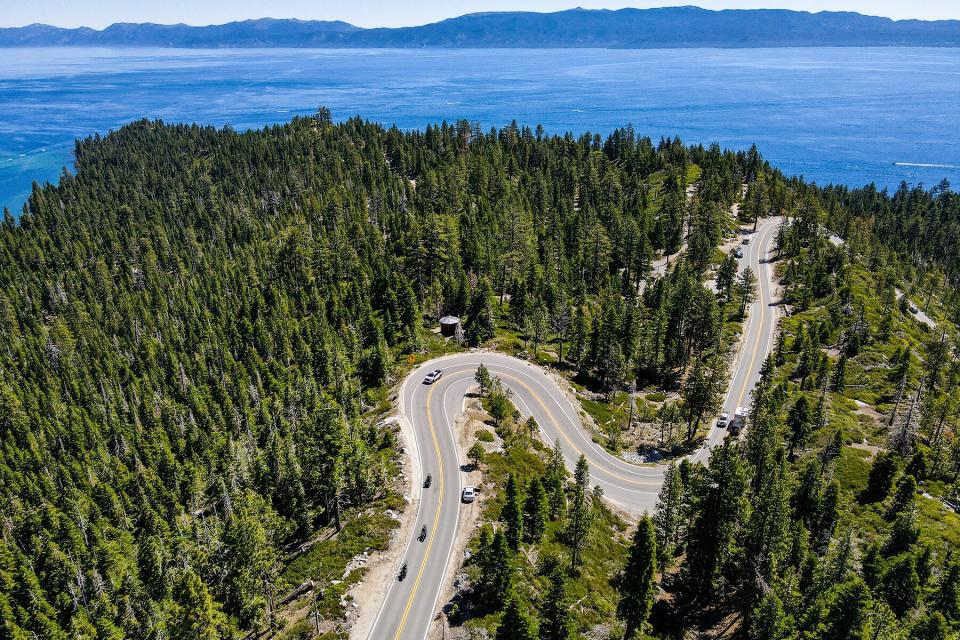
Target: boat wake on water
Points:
(926, 165)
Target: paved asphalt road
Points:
(428, 413)
(919, 314)
(760, 329)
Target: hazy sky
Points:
(372, 13)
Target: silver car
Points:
(433, 376)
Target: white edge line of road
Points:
(456, 525)
(618, 463)
(593, 477)
(406, 427)
(741, 350)
(416, 469)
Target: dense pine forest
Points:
(199, 329)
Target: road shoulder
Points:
(370, 593)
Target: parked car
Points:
(469, 494)
(738, 253)
(745, 241)
(723, 420)
(433, 376)
(739, 420)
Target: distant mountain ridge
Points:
(265, 32)
(669, 27)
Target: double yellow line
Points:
(756, 346)
(564, 435)
(436, 521)
(536, 397)
(436, 518)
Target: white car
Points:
(739, 420)
(723, 420)
(433, 376)
(469, 494)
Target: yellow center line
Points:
(756, 346)
(536, 397)
(436, 520)
(564, 435)
(436, 446)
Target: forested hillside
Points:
(835, 516)
(198, 328)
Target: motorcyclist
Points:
(403, 571)
(423, 532)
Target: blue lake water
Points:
(833, 115)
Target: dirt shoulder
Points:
(465, 428)
(368, 594)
